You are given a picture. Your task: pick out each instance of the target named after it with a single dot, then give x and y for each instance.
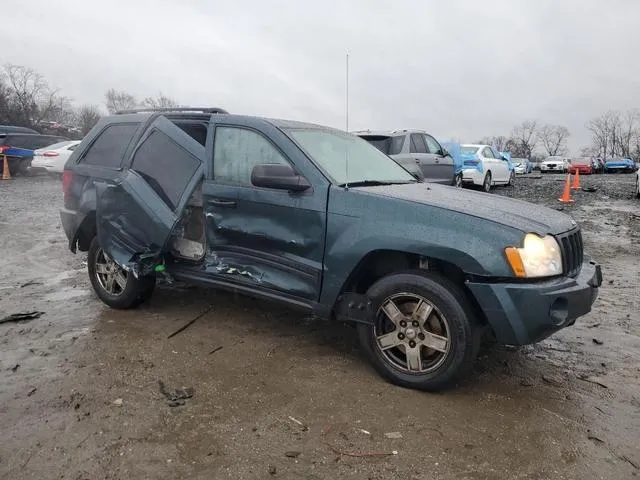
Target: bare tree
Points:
(498, 142)
(30, 98)
(524, 138)
(117, 100)
(161, 101)
(554, 139)
(86, 118)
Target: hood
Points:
(523, 216)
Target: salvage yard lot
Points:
(277, 395)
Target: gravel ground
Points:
(280, 396)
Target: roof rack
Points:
(173, 109)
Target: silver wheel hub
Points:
(411, 333)
(110, 276)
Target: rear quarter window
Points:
(109, 148)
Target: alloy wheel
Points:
(111, 277)
(412, 334)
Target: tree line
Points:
(27, 99)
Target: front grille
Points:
(572, 252)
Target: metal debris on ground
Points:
(191, 322)
(338, 451)
(589, 189)
(30, 283)
(597, 341)
(32, 391)
(176, 397)
(594, 325)
(118, 402)
(588, 379)
(302, 425)
(18, 317)
(292, 454)
(217, 349)
(393, 435)
(364, 431)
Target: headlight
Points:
(539, 257)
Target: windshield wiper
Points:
(373, 183)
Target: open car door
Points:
(137, 214)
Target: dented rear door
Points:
(137, 213)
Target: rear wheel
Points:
(115, 286)
(458, 181)
(486, 185)
(638, 187)
(423, 334)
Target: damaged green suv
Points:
(325, 222)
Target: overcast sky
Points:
(458, 69)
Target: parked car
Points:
(485, 167)
(453, 149)
(584, 165)
(620, 165)
(555, 164)
(19, 147)
(269, 208)
(417, 151)
(14, 129)
(522, 165)
(53, 158)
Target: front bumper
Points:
(524, 313)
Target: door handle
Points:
(222, 203)
(417, 160)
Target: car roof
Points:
(474, 145)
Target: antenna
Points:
(346, 151)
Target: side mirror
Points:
(279, 177)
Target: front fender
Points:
(475, 245)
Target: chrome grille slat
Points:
(572, 252)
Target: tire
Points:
(512, 179)
(637, 188)
(449, 317)
(23, 167)
(133, 293)
(486, 184)
(457, 181)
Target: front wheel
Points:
(116, 287)
(637, 187)
(512, 179)
(486, 184)
(423, 334)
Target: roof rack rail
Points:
(173, 109)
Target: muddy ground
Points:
(80, 398)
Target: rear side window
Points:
(388, 145)
(417, 144)
(166, 167)
(109, 148)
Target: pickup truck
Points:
(326, 223)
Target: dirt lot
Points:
(80, 398)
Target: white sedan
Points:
(484, 166)
(555, 164)
(52, 158)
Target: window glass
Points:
(109, 148)
(237, 151)
(432, 145)
(487, 153)
(339, 154)
(166, 166)
(417, 144)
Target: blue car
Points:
(624, 165)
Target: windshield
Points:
(468, 149)
(331, 149)
(581, 161)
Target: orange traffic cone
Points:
(576, 181)
(566, 194)
(6, 175)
